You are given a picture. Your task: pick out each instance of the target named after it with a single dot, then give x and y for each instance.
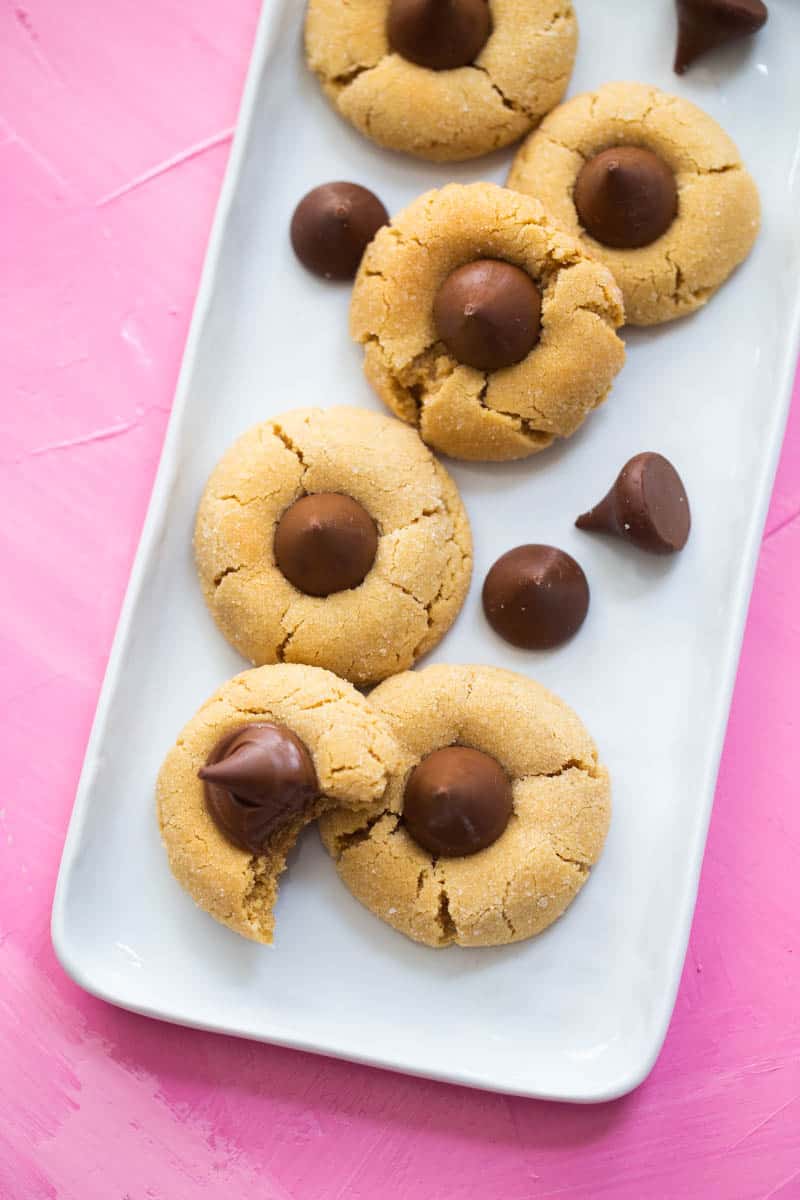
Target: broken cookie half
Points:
(272, 750)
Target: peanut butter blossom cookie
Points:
(494, 819)
(268, 753)
(653, 187)
(484, 325)
(442, 79)
(333, 537)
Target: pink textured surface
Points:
(114, 130)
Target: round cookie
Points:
(461, 410)
(718, 211)
(521, 72)
(413, 590)
(353, 754)
(524, 880)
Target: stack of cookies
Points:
(460, 804)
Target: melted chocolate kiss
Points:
(626, 197)
(705, 24)
(488, 314)
(457, 801)
(438, 34)
(258, 779)
(647, 506)
(325, 543)
(536, 597)
(332, 227)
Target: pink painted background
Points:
(115, 120)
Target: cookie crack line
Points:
(290, 445)
(234, 570)
(343, 80)
(504, 907)
(572, 764)
(444, 920)
(232, 497)
(505, 100)
(520, 424)
(346, 841)
(582, 866)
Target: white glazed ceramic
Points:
(580, 1012)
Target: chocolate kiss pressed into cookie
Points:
(488, 314)
(647, 506)
(258, 779)
(438, 34)
(626, 197)
(325, 543)
(457, 801)
(706, 24)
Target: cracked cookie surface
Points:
(718, 207)
(520, 884)
(354, 757)
(421, 573)
(520, 74)
(459, 410)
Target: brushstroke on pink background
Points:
(115, 122)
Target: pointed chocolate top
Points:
(706, 24)
(457, 801)
(536, 597)
(258, 779)
(438, 34)
(488, 313)
(647, 506)
(325, 543)
(626, 197)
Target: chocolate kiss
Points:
(626, 197)
(258, 780)
(647, 506)
(705, 24)
(438, 34)
(247, 773)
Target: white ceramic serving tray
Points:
(580, 1012)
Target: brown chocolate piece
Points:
(536, 597)
(325, 543)
(258, 779)
(488, 314)
(438, 34)
(705, 24)
(457, 801)
(332, 227)
(626, 197)
(647, 506)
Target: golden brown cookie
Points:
(525, 879)
(353, 755)
(461, 410)
(410, 595)
(445, 115)
(718, 210)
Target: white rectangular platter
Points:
(580, 1012)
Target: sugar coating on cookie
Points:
(525, 879)
(521, 72)
(718, 212)
(460, 410)
(354, 757)
(416, 585)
